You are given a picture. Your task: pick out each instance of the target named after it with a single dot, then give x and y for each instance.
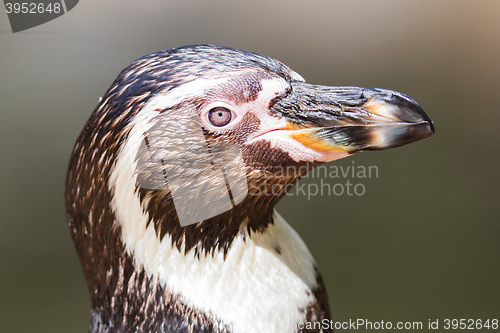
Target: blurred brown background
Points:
(422, 243)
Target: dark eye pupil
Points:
(219, 116)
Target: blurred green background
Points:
(422, 243)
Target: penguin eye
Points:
(220, 116)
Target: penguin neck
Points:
(210, 235)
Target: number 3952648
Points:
(32, 8)
(470, 324)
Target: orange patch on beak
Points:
(309, 140)
(293, 127)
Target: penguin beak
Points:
(345, 120)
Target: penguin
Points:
(168, 194)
